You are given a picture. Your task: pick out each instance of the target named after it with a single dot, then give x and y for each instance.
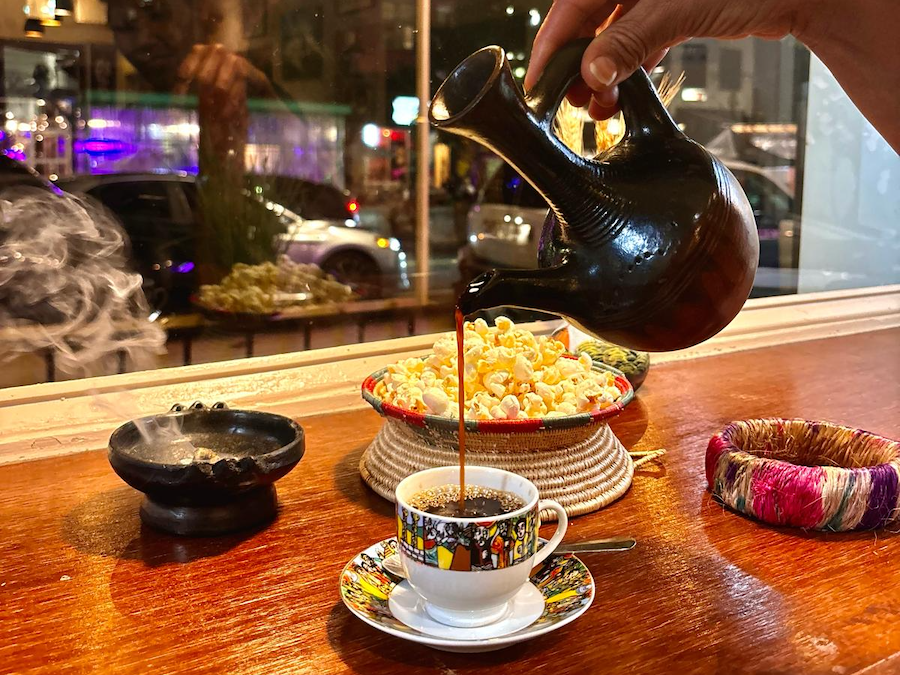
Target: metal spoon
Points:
(394, 565)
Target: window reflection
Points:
(225, 133)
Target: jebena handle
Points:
(562, 525)
(642, 109)
(560, 72)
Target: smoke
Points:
(65, 285)
(161, 432)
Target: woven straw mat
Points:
(583, 468)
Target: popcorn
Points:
(544, 392)
(534, 406)
(495, 382)
(503, 324)
(436, 401)
(509, 407)
(523, 370)
(509, 374)
(566, 408)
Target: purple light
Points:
(102, 146)
(17, 155)
(184, 267)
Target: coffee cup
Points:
(466, 570)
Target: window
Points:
(145, 214)
(223, 135)
(507, 187)
(136, 201)
(766, 197)
(730, 72)
(325, 203)
(694, 64)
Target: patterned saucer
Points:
(366, 586)
(523, 610)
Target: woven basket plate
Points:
(576, 460)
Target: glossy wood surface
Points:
(84, 588)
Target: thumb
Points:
(625, 45)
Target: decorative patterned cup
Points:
(466, 570)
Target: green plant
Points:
(238, 227)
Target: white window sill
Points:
(64, 417)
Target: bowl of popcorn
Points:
(530, 408)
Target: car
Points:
(309, 200)
(16, 174)
(772, 205)
(505, 223)
(160, 213)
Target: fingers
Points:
(570, 19)
(619, 50)
(209, 66)
(605, 102)
(579, 94)
(606, 99)
(599, 111)
(216, 68)
(229, 69)
(188, 69)
(200, 64)
(566, 20)
(655, 58)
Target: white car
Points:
(505, 223)
(160, 212)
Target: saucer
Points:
(366, 587)
(524, 608)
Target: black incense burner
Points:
(211, 470)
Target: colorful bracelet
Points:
(814, 475)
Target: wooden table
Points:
(84, 588)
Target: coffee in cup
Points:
(479, 502)
(466, 568)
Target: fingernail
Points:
(604, 70)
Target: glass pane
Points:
(136, 200)
(261, 160)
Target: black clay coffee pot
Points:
(651, 244)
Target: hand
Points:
(227, 74)
(640, 32)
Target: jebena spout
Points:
(465, 87)
(548, 290)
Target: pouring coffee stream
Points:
(652, 244)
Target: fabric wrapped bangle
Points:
(813, 475)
